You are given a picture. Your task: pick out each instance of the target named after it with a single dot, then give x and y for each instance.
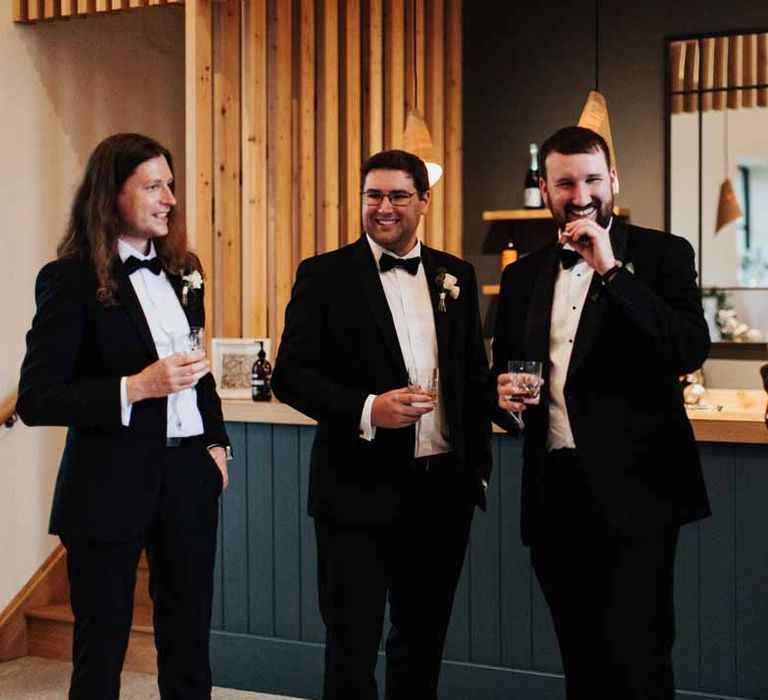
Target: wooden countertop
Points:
(741, 419)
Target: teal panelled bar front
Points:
(268, 635)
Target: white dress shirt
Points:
(571, 287)
(411, 307)
(170, 333)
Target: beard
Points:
(603, 216)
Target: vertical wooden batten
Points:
(762, 69)
(435, 111)
(375, 92)
(421, 53)
(718, 72)
(328, 128)
(748, 69)
(307, 160)
(732, 98)
(199, 138)
(254, 198)
(676, 75)
(705, 78)
(280, 154)
(453, 167)
(395, 91)
(227, 174)
(690, 77)
(352, 148)
(19, 11)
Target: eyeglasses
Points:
(397, 198)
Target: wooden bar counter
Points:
(267, 631)
(740, 420)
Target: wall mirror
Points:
(717, 131)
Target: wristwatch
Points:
(608, 276)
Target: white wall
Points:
(64, 85)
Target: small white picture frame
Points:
(232, 360)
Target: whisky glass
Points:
(425, 384)
(525, 380)
(195, 340)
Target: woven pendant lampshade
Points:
(594, 116)
(728, 209)
(417, 140)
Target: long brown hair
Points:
(94, 224)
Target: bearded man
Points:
(611, 470)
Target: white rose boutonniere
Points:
(446, 286)
(192, 280)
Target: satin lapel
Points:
(619, 235)
(133, 307)
(596, 303)
(370, 283)
(539, 316)
(443, 319)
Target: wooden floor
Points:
(48, 679)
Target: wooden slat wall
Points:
(731, 71)
(312, 88)
(31, 11)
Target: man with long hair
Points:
(108, 356)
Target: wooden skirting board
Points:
(47, 586)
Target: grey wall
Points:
(527, 70)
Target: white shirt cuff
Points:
(125, 407)
(367, 429)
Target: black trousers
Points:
(415, 563)
(181, 549)
(610, 596)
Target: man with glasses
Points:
(382, 346)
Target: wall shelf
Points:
(535, 214)
(528, 229)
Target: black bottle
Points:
(261, 388)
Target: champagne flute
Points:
(526, 382)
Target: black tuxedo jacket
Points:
(77, 351)
(635, 336)
(340, 345)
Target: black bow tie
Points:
(410, 265)
(133, 263)
(568, 258)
